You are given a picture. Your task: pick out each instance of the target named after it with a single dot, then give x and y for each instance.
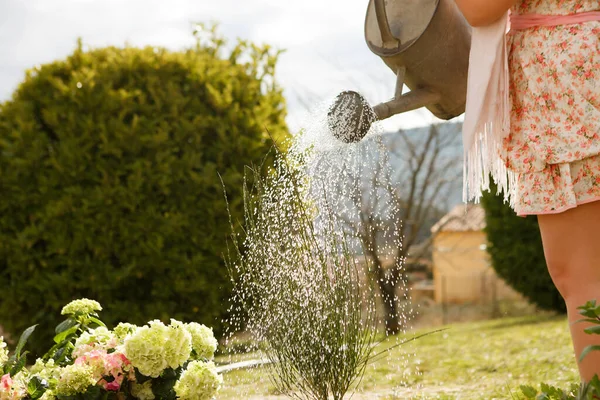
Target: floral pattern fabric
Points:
(554, 144)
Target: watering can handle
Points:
(384, 26)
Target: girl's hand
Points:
(483, 12)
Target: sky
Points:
(325, 49)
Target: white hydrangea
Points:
(179, 345)
(204, 343)
(46, 370)
(3, 352)
(19, 385)
(82, 306)
(75, 379)
(123, 329)
(142, 391)
(145, 348)
(48, 395)
(200, 381)
(153, 348)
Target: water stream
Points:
(322, 234)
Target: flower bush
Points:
(88, 361)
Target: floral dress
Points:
(554, 144)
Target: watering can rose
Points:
(154, 361)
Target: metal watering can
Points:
(426, 44)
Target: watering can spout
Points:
(350, 117)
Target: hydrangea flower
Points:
(145, 348)
(104, 365)
(153, 348)
(179, 345)
(3, 352)
(108, 360)
(75, 379)
(123, 329)
(82, 306)
(95, 360)
(99, 338)
(48, 395)
(204, 343)
(47, 371)
(142, 391)
(200, 381)
(13, 388)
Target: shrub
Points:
(301, 287)
(109, 174)
(515, 247)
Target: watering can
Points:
(426, 43)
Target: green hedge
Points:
(109, 180)
(517, 253)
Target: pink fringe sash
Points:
(525, 21)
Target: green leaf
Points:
(59, 355)
(593, 330)
(591, 320)
(588, 305)
(169, 373)
(18, 365)
(92, 393)
(23, 339)
(141, 378)
(96, 321)
(115, 396)
(66, 324)
(61, 337)
(63, 397)
(593, 386)
(35, 388)
(587, 350)
(163, 389)
(58, 347)
(588, 313)
(529, 391)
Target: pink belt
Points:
(524, 21)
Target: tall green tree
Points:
(515, 247)
(109, 179)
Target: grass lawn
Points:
(481, 360)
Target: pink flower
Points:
(113, 386)
(114, 365)
(9, 391)
(6, 382)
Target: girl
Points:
(533, 121)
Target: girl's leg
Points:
(572, 249)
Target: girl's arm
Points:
(483, 12)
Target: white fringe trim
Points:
(483, 158)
